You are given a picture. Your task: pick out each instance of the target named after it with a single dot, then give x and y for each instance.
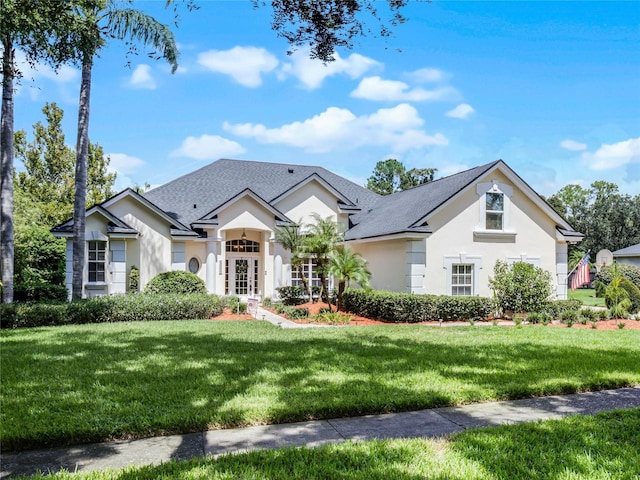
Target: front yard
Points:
(85, 383)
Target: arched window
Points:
(242, 246)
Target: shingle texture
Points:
(192, 196)
(400, 211)
(632, 251)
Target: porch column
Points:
(211, 266)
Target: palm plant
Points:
(103, 21)
(346, 265)
(292, 239)
(322, 237)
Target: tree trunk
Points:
(341, 287)
(79, 205)
(6, 175)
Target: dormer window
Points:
(494, 213)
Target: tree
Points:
(325, 25)
(291, 238)
(103, 22)
(390, 176)
(47, 182)
(45, 32)
(322, 237)
(346, 265)
(607, 218)
(386, 177)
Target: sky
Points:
(551, 88)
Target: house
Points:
(629, 255)
(218, 222)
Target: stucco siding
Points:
(387, 261)
(153, 251)
(300, 205)
(453, 235)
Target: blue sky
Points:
(552, 88)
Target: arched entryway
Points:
(242, 267)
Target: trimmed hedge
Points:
(411, 308)
(292, 295)
(39, 292)
(116, 308)
(176, 282)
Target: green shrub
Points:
(604, 314)
(633, 294)
(279, 308)
(535, 317)
(333, 318)
(267, 302)
(292, 295)
(134, 279)
(588, 314)
(411, 308)
(520, 287)
(556, 307)
(39, 292)
(177, 283)
(296, 313)
(606, 275)
(569, 317)
(116, 308)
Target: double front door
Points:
(242, 277)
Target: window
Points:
(494, 211)
(461, 279)
(97, 255)
(310, 272)
(242, 246)
(194, 265)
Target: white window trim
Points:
(105, 261)
(481, 230)
(462, 258)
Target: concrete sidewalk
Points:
(423, 423)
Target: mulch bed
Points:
(314, 309)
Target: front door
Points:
(242, 277)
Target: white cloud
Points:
(615, 155)
(141, 78)
(208, 147)
(462, 111)
(123, 163)
(572, 145)
(245, 64)
(32, 74)
(313, 72)
(339, 129)
(376, 88)
(428, 75)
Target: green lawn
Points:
(605, 446)
(94, 382)
(587, 296)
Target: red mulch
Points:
(314, 309)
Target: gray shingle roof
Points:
(632, 251)
(399, 212)
(192, 196)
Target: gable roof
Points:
(408, 211)
(191, 197)
(632, 251)
(401, 212)
(114, 225)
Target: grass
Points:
(605, 446)
(587, 296)
(83, 383)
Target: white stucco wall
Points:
(453, 235)
(387, 262)
(151, 253)
(300, 205)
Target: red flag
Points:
(581, 275)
